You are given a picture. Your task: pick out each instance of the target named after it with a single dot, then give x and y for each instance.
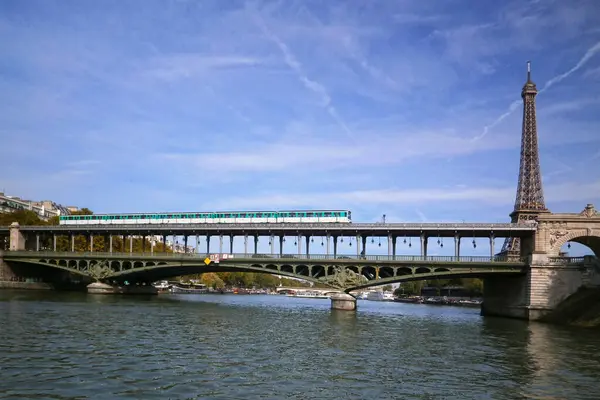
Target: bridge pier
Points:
(343, 301)
(536, 295)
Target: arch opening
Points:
(580, 246)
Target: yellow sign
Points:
(207, 261)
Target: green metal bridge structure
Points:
(343, 273)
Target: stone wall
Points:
(545, 288)
(6, 272)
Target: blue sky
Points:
(405, 108)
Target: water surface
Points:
(77, 346)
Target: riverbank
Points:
(16, 285)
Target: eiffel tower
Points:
(530, 194)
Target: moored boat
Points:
(188, 288)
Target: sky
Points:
(405, 108)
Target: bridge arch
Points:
(165, 271)
(438, 274)
(587, 237)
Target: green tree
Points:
(23, 217)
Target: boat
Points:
(189, 288)
(162, 286)
(380, 296)
(308, 294)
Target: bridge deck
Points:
(289, 229)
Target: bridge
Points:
(328, 234)
(528, 279)
(344, 273)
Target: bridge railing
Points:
(262, 256)
(566, 260)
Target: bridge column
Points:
(307, 246)
(72, 243)
(197, 244)
(37, 242)
(327, 237)
(185, 244)
(272, 244)
(364, 246)
(231, 237)
(110, 244)
(299, 243)
(390, 245)
(143, 239)
(91, 243)
(281, 241)
(335, 246)
(164, 241)
(457, 246)
(54, 242)
(17, 240)
(245, 244)
(424, 239)
(207, 244)
(492, 238)
(130, 244)
(220, 244)
(255, 244)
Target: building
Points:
(45, 209)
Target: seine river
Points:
(77, 346)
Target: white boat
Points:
(190, 288)
(308, 294)
(380, 296)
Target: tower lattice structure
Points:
(529, 202)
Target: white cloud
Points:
(481, 196)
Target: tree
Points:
(23, 217)
(474, 286)
(212, 280)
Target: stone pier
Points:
(535, 295)
(343, 301)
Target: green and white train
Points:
(212, 217)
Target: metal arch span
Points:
(340, 273)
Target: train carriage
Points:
(212, 217)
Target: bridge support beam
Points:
(424, 239)
(343, 301)
(281, 241)
(457, 246)
(335, 243)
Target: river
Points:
(76, 346)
